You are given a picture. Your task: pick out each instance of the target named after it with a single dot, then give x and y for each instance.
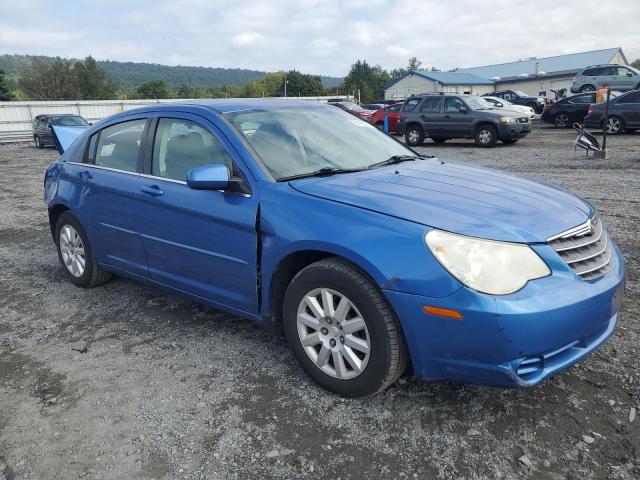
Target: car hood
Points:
(478, 202)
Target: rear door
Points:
(430, 115)
(578, 106)
(108, 206)
(203, 242)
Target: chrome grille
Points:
(586, 249)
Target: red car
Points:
(393, 115)
(355, 109)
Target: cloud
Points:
(246, 39)
(315, 36)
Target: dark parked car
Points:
(617, 77)
(568, 110)
(441, 117)
(519, 98)
(624, 114)
(42, 127)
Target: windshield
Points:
(477, 103)
(69, 121)
(296, 141)
(520, 93)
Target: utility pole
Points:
(285, 84)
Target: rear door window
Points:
(411, 104)
(119, 145)
(431, 105)
(583, 99)
(630, 98)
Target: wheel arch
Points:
(293, 262)
(54, 214)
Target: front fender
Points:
(390, 250)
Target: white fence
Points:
(16, 117)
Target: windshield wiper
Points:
(319, 173)
(393, 160)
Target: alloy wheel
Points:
(333, 333)
(614, 125)
(72, 250)
(562, 120)
(413, 136)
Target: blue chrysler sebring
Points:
(371, 258)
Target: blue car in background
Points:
(371, 258)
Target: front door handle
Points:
(85, 175)
(153, 190)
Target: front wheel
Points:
(414, 136)
(588, 88)
(342, 331)
(486, 136)
(76, 255)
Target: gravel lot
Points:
(127, 381)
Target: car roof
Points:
(225, 105)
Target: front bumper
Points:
(513, 340)
(513, 131)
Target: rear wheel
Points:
(615, 125)
(439, 139)
(561, 120)
(76, 255)
(587, 88)
(486, 136)
(414, 136)
(380, 125)
(341, 329)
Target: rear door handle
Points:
(85, 175)
(153, 190)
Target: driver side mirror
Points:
(213, 176)
(499, 104)
(629, 74)
(463, 109)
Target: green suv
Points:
(617, 77)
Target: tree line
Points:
(85, 80)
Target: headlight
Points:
(488, 266)
(507, 120)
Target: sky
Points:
(314, 36)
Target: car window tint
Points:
(452, 105)
(119, 145)
(620, 71)
(630, 98)
(410, 105)
(181, 145)
(583, 99)
(431, 105)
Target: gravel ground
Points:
(128, 381)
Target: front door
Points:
(203, 242)
(456, 117)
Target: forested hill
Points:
(127, 75)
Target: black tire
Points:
(486, 136)
(93, 274)
(414, 136)
(562, 120)
(510, 141)
(439, 140)
(587, 88)
(37, 142)
(616, 125)
(380, 125)
(388, 354)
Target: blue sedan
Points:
(371, 258)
